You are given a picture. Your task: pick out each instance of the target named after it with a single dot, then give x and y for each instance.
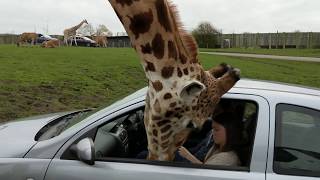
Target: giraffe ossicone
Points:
(180, 91)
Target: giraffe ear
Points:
(191, 90)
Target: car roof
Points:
(263, 85)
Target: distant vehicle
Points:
(43, 37)
(83, 41)
(282, 130)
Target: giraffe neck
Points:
(156, 36)
(75, 28)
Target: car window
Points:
(297, 145)
(125, 136)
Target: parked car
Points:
(43, 37)
(282, 130)
(84, 41)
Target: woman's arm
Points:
(186, 154)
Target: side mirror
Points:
(85, 151)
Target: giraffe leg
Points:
(75, 41)
(228, 80)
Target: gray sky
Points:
(236, 16)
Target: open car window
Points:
(124, 138)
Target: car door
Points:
(133, 169)
(295, 152)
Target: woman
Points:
(227, 131)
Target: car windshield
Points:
(85, 38)
(46, 36)
(61, 124)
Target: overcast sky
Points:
(236, 16)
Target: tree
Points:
(86, 30)
(206, 35)
(102, 30)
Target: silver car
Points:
(282, 140)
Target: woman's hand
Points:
(186, 154)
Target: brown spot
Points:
(167, 72)
(166, 128)
(157, 107)
(183, 59)
(155, 141)
(167, 136)
(172, 50)
(179, 72)
(158, 46)
(146, 49)
(125, 2)
(163, 15)
(191, 68)
(165, 144)
(185, 71)
(157, 86)
(161, 123)
(156, 118)
(173, 104)
(169, 113)
(141, 23)
(187, 108)
(150, 67)
(155, 132)
(167, 96)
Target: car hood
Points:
(18, 137)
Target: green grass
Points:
(280, 52)
(37, 81)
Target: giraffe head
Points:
(85, 21)
(181, 94)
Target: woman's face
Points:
(219, 134)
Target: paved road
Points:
(291, 58)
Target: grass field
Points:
(280, 52)
(37, 81)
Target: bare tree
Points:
(86, 30)
(102, 30)
(206, 35)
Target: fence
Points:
(270, 40)
(246, 40)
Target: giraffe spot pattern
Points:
(157, 86)
(167, 72)
(161, 123)
(163, 15)
(179, 72)
(166, 128)
(126, 2)
(158, 46)
(155, 132)
(185, 71)
(172, 105)
(150, 67)
(167, 136)
(183, 59)
(146, 49)
(172, 50)
(141, 23)
(167, 96)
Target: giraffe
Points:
(181, 94)
(101, 40)
(27, 37)
(51, 44)
(71, 32)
